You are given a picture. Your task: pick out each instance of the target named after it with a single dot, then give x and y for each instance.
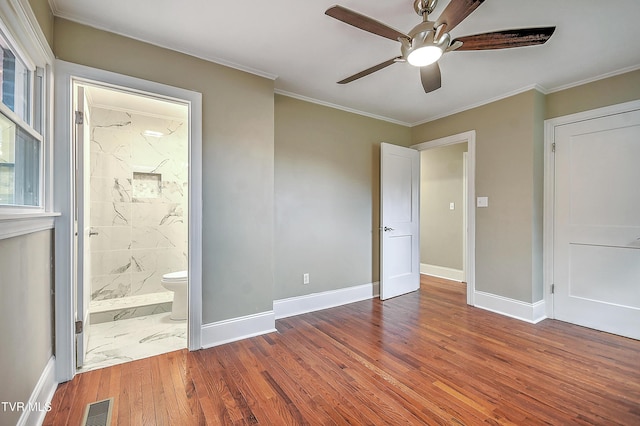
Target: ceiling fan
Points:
(428, 41)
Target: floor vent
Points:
(98, 413)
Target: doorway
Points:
(132, 180)
(466, 238)
(68, 76)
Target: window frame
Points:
(21, 125)
(21, 30)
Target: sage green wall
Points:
(510, 171)
(537, 230)
(327, 186)
(506, 139)
(26, 316)
(237, 159)
(609, 91)
(43, 14)
(441, 183)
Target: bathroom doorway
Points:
(132, 224)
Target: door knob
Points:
(387, 229)
(93, 233)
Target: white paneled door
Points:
(399, 219)
(596, 262)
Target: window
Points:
(14, 90)
(21, 149)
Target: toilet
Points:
(177, 282)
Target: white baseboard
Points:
(289, 307)
(219, 333)
(40, 400)
(442, 272)
(530, 312)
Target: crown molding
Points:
(481, 103)
(594, 79)
(339, 107)
(180, 49)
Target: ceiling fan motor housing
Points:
(423, 35)
(423, 7)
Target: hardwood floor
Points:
(422, 358)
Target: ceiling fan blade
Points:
(369, 71)
(455, 12)
(506, 39)
(364, 22)
(430, 76)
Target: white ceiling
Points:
(306, 51)
(110, 98)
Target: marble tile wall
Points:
(138, 202)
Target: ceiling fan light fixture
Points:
(424, 55)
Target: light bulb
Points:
(424, 55)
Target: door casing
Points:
(65, 74)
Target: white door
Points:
(597, 224)
(83, 229)
(399, 219)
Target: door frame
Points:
(65, 74)
(470, 252)
(549, 187)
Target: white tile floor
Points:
(116, 342)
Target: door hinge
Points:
(553, 147)
(79, 117)
(78, 327)
(553, 288)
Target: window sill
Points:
(14, 225)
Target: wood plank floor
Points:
(423, 358)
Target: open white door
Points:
(399, 220)
(83, 230)
(597, 224)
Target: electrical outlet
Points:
(305, 278)
(483, 202)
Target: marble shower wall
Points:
(138, 202)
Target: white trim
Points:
(339, 107)
(529, 312)
(593, 79)
(40, 397)
(470, 138)
(549, 185)
(291, 306)
(28, 32)
(483, 102)
(15, 226)
(232, 330)
(184, 49)
(64, 313)
(442, 272)
(465, 214)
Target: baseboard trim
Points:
(40, 401)
(232, 330)
(442, 272)
(299, 305)
(530, 312)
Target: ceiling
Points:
(110, 98)
(306, 52)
